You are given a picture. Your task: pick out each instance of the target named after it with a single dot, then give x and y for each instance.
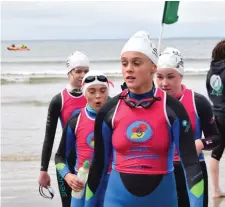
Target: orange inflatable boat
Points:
(17, 48)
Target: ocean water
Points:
(29, 79)
(47, 59)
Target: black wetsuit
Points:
(54, 112)
(127, 189)
(206, 124)
(77, 137)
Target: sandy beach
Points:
(20, 187)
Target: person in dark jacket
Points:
(215, 87)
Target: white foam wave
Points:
(62, 72)
(53, 75)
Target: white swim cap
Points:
(141, 42)
(171, 58)
(76, 59)
(93, 78)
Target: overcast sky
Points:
(108, 20)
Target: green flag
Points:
(170, 12)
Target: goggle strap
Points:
(43, 194)
(111, 83)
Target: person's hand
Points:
(73, 182)
(199, 146)
(44, 179)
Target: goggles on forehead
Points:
(100, 78)
(50, 191)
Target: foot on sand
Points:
(218, 194)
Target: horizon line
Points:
(94, 39)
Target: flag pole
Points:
(160, 39)
(161, 30)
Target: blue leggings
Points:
(99, 202)
(118, 196)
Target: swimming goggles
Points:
(100, 78)
(144, 103)
(50, 191)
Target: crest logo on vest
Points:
(217, 85)
(139, 131)
(90, 140)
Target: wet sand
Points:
(19, 185)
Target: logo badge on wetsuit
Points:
(139, 131)
(90, 140)
(217, 85)
(186, 125)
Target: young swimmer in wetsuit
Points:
(139, 127)
(78, 135)
(169, 78)
(61, 106)
(215, 87)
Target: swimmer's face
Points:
(137, 71)
(76, 75)
(169, 80)
(96, 96)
